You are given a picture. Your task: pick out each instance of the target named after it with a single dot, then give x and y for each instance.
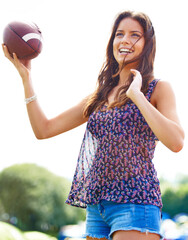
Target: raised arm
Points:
(46, 128)
(42, 126)
(160, 114)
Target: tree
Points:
(175, 197)
(35, 197)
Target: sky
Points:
(76, 34)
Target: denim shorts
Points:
(105, 218)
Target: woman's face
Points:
(129, 41)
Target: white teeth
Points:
(125, 50)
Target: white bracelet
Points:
(30, 99)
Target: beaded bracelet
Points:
(30, 99)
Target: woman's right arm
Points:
(42, 126)
(46, 128)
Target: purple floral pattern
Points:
(115, 159)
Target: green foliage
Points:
(175, 196)
(35, 198)
(9, 232)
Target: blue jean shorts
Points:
(105, 218)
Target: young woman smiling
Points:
(128, 113)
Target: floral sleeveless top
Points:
(115, 159)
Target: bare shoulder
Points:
(162, 92)
(163, 87)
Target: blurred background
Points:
(36, 175)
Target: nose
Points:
(125, 39)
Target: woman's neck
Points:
(125, 73)
(124, 76)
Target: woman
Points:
(127, 114)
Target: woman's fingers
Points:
(6, 53)
(23, 66)
(15, 60)
(135, 72)
(136, 84)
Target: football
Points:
(24, 39)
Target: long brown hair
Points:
(109, 75)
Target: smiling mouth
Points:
(125, 50)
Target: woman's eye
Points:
(136, 35)
(119, 34)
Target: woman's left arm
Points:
(161, 116)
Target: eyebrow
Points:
(118, 30)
